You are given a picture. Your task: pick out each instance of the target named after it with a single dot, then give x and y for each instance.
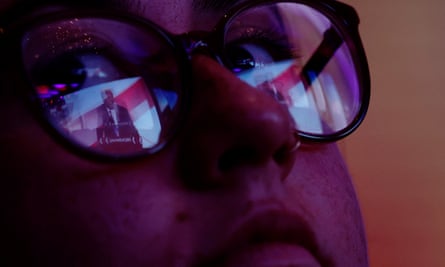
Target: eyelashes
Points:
(257, 47)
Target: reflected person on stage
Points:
(117, 132)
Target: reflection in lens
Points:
(109, 87)
(316, 78)
(118, 116)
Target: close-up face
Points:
(108, 98)
(237, 164)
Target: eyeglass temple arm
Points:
(320, 58)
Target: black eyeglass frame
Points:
(341, 15)
(346, 20)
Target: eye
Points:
(255, 48)
(247, 56)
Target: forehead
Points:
(174, 15)
(177, 16)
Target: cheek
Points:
(320, 174)
(322, 171)
(5, 4)
(120, 218)
(76, 210)
(323, 189)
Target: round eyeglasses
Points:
(117, 86)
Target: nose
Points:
(233, 130)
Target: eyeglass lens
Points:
(106, 85)
(297, 54)
(116, 87)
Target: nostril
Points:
(237, 156)
(249, 155)
(281, 155)
(285, 152)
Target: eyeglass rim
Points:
(37, 111)
(346, 20)
(331, 9)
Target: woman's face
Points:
(229, 190)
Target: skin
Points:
(178, 207)
(108, 99)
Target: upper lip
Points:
(270, 226)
